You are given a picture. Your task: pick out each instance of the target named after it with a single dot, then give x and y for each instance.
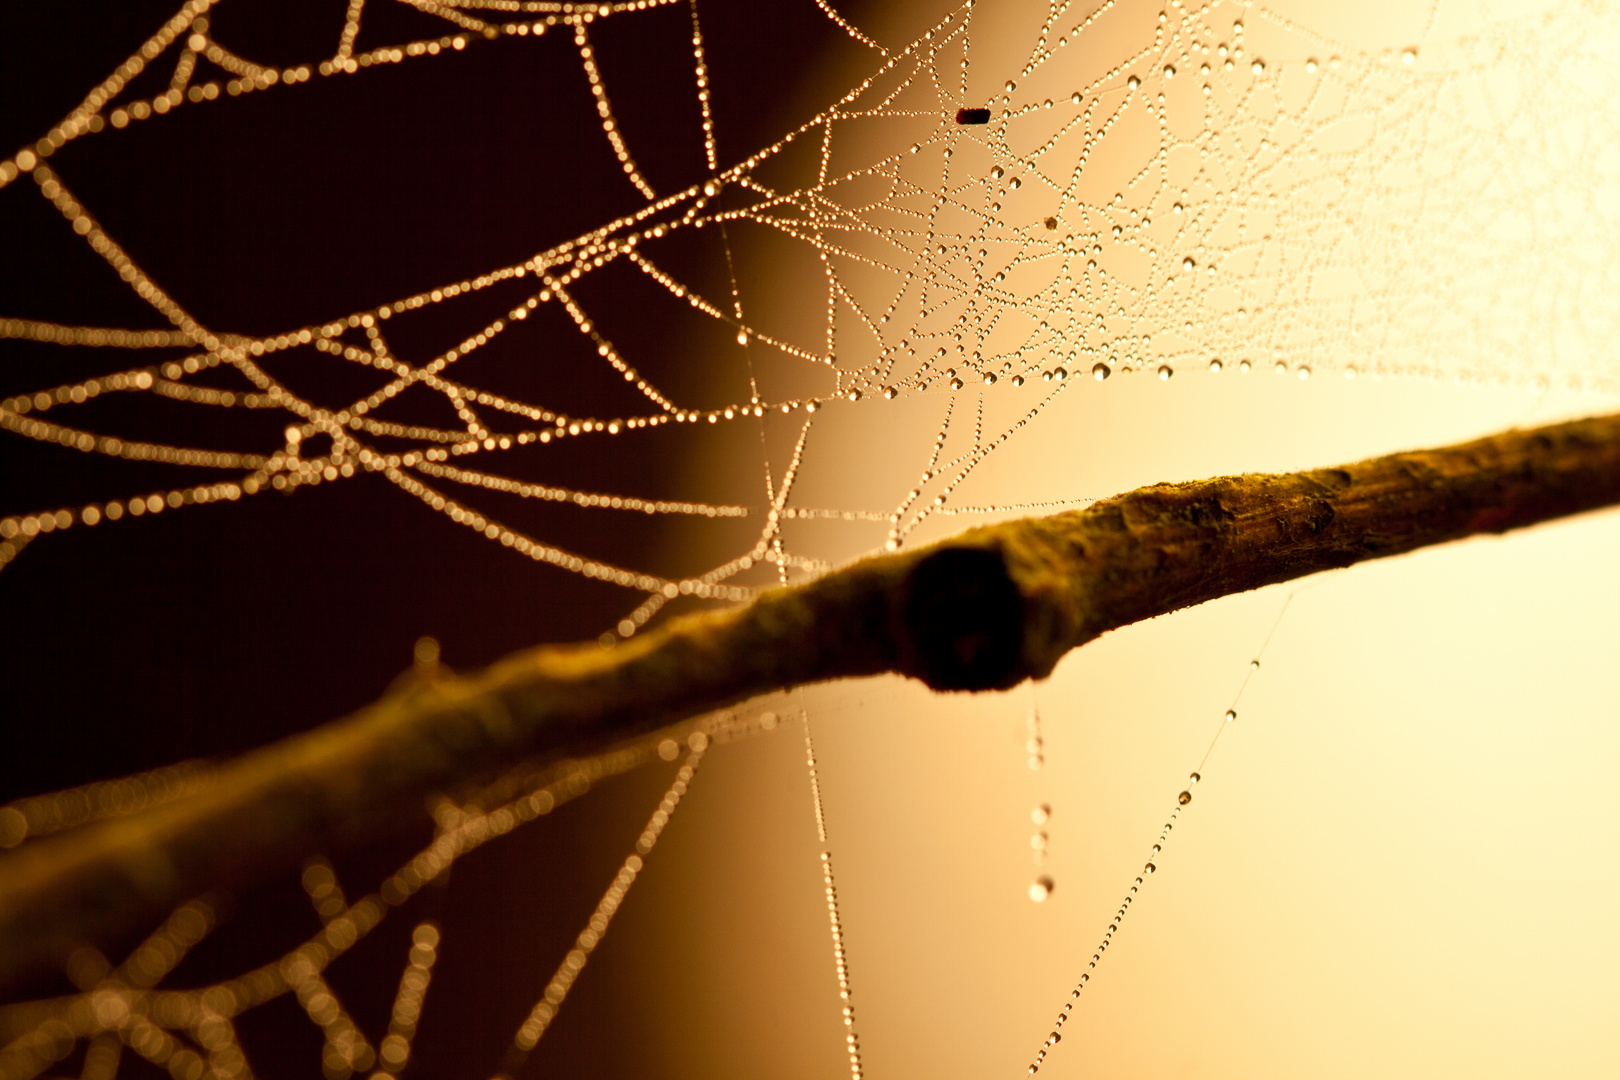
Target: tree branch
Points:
(983, 610)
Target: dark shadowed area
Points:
(203, 632)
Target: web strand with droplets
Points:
(834, 923)
(1183, 800)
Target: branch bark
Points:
(984, 610)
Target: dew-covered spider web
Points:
(993, 219)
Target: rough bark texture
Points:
(983, 610)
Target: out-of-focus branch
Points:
(983, 610)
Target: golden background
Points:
(1399, 861)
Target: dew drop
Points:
(997, 173)
(1304, 373)
(1133, 82)
(1018, 380)
(1165, 371)
(1060, 374)
(989, 378)
(1040, 888)
(1231, 715)
(1193, 778)
(1188, 264)
(1040, 814)
(1409, 56)
(890, 392)
(1051, 223)
(1101, 371)
(956, 384)
(1169, 71)
(1243, 365)
(1011, 86)
(1184, 798)
(1215, 366)
(1254, 665)
(1148, 869)
(1258, 67)
(854, 395)
(1015, 183)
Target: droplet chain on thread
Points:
(840, 962)
(545, 1010)
(1041, 887)
(1182, 800)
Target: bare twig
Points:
(983, 610)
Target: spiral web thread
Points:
(1207, 187)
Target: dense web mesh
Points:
(1185, 207)
(1137, 192)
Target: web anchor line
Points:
(1183, 800)
(840, 960)
(545, 1010)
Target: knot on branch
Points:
(961, 620)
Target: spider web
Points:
(1211, 188)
